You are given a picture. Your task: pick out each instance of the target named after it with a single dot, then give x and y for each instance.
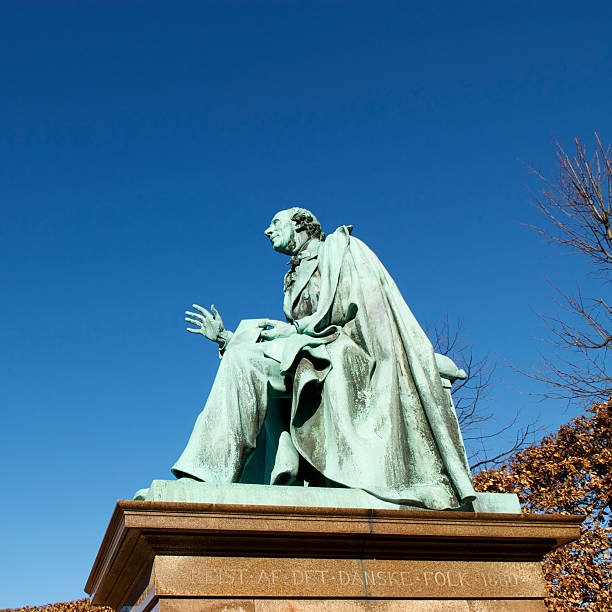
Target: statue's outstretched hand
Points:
(276, 329)
(208, 325)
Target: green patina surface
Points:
(189, 490)
(347, 393)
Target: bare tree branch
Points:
(521, 440)
(470, 397)
(578, 204)
(578, 208)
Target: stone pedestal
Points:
(200, 557)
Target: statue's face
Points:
(281, 232)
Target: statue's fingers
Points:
(215, 312)
(193, 321)
(202, 310)
(266, 323)
(194, 331)
(197, 316)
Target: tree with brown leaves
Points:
(569, 472)
(82, 605)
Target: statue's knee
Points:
(235, 359)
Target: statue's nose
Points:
(268, 232)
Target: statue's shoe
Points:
(287, 462)
(141, 495)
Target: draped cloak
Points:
(367, 406)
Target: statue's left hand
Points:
(276, 329)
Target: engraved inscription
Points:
(467, 579)
(215, 575)
(257, 576)
(448, 579)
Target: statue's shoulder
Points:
(346, 230)
(344, 236)
(336, 242)
(343, 240)
(339, 242)
(341, 234)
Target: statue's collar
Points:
(309, 250)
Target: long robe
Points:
(367, 408)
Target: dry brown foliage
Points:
(569, 472)
(82, 605)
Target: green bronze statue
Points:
(346, 393)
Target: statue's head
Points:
(291, 228)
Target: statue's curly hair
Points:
(305, 221)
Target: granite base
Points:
(167, 556)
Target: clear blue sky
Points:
(144, 147)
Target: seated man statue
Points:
(347, 392)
